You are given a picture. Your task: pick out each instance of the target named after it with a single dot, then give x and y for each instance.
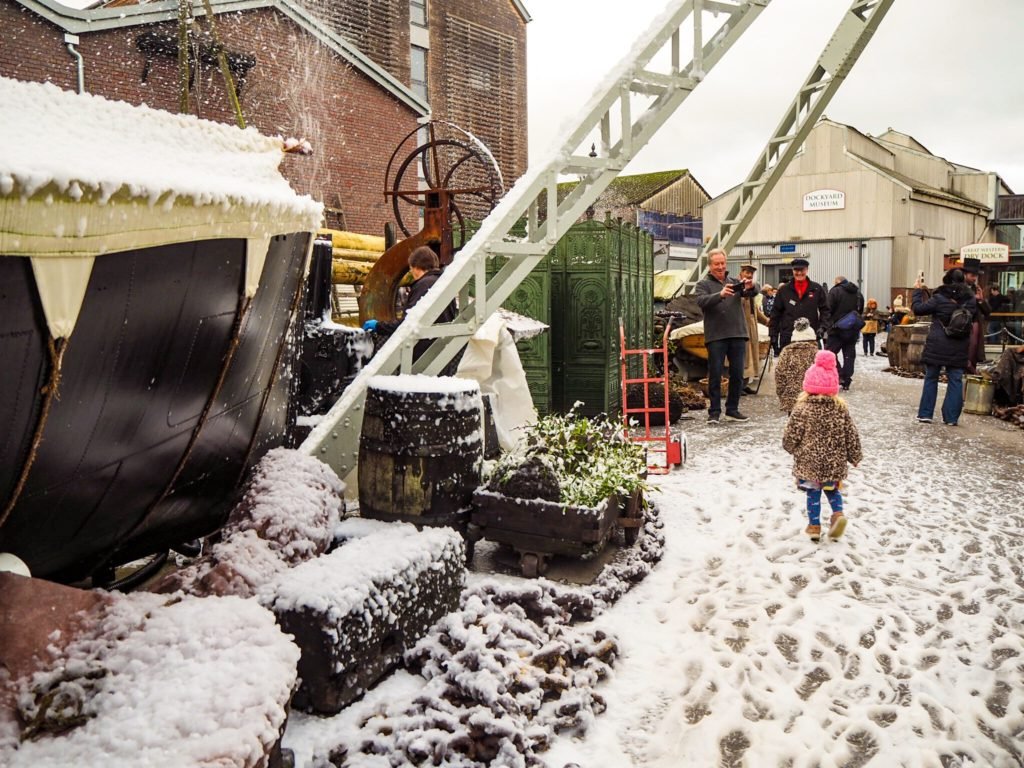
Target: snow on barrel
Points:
(421, 449)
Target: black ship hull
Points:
(170, 387)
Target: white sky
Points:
(948, 72)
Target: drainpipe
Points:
(72, 41)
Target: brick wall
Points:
(378, 28)
(482, 88)
(296, 88)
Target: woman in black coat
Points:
(941, 350)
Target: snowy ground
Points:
(900, 645)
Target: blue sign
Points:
(787, 248)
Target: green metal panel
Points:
(598, 272)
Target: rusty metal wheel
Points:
(441, 156)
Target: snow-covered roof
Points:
(83, 148)
(82, 176)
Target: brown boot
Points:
(837, 525)
(814, 531)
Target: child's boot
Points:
(837, 525)
(814, 531)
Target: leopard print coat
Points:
(822, 438)
(793, 363)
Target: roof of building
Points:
(633, 190)
(121, 14)
(918, 186)
(521, 7)
(902, 139)
(886, 141)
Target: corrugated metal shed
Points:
(870, 267)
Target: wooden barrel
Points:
(896, 345)
(915, 347)
(420, 450)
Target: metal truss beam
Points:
(855, 30)
(621, 128)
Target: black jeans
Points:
(842, 342)
(869, 343)
(735, 350)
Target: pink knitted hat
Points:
(822, 378)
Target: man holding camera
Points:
(725, 333)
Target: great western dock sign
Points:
(986, 253)
(825, 200)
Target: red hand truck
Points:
(664, 449)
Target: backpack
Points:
(959, 325)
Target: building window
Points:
(418, 12)
(418, 71)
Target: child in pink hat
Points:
(822, 438)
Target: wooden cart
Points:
(538, 529)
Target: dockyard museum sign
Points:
(986, 253)
(824, 200)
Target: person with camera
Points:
(800, 297)
(725, 333)
(947, 345)
(845, 307)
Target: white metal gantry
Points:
(855, 30)
(626, 110)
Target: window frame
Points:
(416, 8)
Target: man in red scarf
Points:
(800, 297)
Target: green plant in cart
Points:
(589, 458)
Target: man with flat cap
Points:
(800, 297)
(976, 349)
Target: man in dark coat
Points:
(800, 297)
(941, 350)
(976, 351)
(843, 298)
(425, 269)
(997, 302)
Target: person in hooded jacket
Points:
(843, 298)
(426, 269)
(943, 351)
(822, 439)
(794, 361)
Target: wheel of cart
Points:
(632, 518)
(471, 537)
(533, 564)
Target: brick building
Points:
(351, 76)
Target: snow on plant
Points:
(590, 457)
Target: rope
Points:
(225, 70)
(184, 74)
(49, 391)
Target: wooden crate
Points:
(538, 529)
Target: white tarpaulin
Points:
(491, 358)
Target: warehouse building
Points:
(878, 210)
